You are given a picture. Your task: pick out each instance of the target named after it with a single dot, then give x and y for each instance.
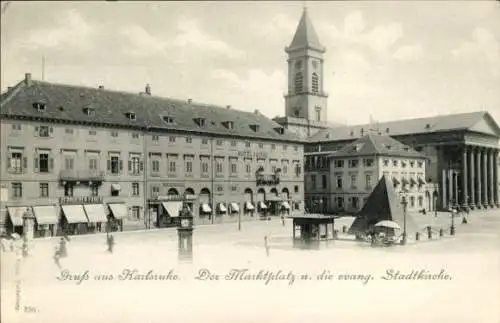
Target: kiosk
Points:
(310, 229)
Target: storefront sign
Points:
(252, 154)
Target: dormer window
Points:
(89, 111)
(388, 147)
(130, 115)
(427, 126)
(229, 125)
(168, 120)
(280, 130)
(201, 122)
(39, 106)
(255, 127)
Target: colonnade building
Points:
(78, 155)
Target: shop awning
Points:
(46, 214)
(262, 205)
(119, 210)
(404, 181)
(413, 181)
(16, 214)
(235, 208)
(249, 206)
(75, 213)
(273, 198)
(221, 208)
(116, 187)
(206, 208)
(395, 181)
(285, 205)
(421, 181)
(172, 208)
(95, 213)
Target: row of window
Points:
(354, 202)
(47, 131)
(44, 163)
(90, 111)
(17, 190)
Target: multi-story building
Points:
(70, 146)
(462, 148)
(343, 180)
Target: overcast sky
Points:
(391, 59)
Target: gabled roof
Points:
(372, 144)
(382, 204)
(305, 36)
(66, 103)
(472, 121)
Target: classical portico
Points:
(470, 181)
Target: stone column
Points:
(465, 175)
(472, 180)
(495, 177)
(444, 189)
(484, 157)
(479, 196)
(491, 175)
(455, 186)
(449, 172)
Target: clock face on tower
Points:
(184, 223)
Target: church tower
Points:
(306, 101)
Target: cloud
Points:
(241, 90)
(409, 53)
(191, 34)
(190, 39)
(483, 45)
(354, 23)
(380, 38)
(73, 31)
(144, 43)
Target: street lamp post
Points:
(435, 204)
(239, 219)
(452, 228)
(404, 202)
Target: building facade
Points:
(462, 149)
(341, 182)
(61, 145)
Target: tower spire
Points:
(305, 35)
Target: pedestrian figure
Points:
(57, 256)
(63, 251)
(283, 220)
(111, 243)
(266, 245)
(4, 244)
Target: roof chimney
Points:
(256, 111)
(228, 106)
(148, 89)
(190, 100)
(9, 88)
(27, 78)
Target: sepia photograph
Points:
(250, 161)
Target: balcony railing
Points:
(66, 200)
(186, 197)
(81, 175)
(272, 179)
